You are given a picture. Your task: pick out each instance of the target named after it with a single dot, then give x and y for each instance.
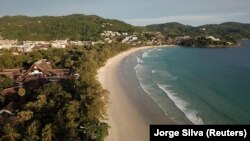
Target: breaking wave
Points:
(153, 71)
(149, 88)
(145, 54)
(164, 74)
(182, 105)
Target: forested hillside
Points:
(173, 29)
(229, 29)
(75, 109)
(74, 27)
(224, 30)
(84, 27)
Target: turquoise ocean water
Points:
(196, 85)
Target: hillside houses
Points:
(28, 46)
(107, 37)
(124, 37)
(59, 44)
(7, 44)
(130, 39)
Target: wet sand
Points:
(129, 115)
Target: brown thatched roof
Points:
(42, 65)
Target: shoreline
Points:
(128, 115)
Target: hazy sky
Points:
(137, 12)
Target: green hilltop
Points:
(76, 108)
(229, 29)
(172, 29)
(89, 27)
(225, 30)
(75, 27)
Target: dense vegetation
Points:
(83, 27)
(76, 108)
(71, 110)
(4, 82)
(229, 30)
(173, 29)
(203, 42)
(75, 27)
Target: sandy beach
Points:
(129, 118)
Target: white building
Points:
(213, 38)
(77, 43)
(130, 39)
(7, 44)
(59, 44)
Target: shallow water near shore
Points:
(193, 85)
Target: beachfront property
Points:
(113, 34)
(130, 39)
(108, 37)
(108, 34)
(40, 70)
(39, 74)
(212, 38)
(182, 38)
(59, 44)
(7, 44)
(28, 46)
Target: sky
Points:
(137, 12)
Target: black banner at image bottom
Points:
(199, 132)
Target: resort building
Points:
(41, 72)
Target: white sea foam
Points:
(151, 50)
(146, 54)
(149, 88)
(174, 78)
(165, 74)
(181, 104)
(139, 60)
(146, 87)
(136, 67)
(139, 69)
(153, 71)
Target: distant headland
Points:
(90, 29)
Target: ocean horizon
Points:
(193, 85)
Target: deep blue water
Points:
(205, 86)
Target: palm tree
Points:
(47, 133)
(10, 133)
(32, 132)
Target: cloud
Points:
(195, 20)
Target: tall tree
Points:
(10, 133)
(47, 133)
(31, 134)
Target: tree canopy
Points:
(229, 30)
(74, 27)
(73, 109)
